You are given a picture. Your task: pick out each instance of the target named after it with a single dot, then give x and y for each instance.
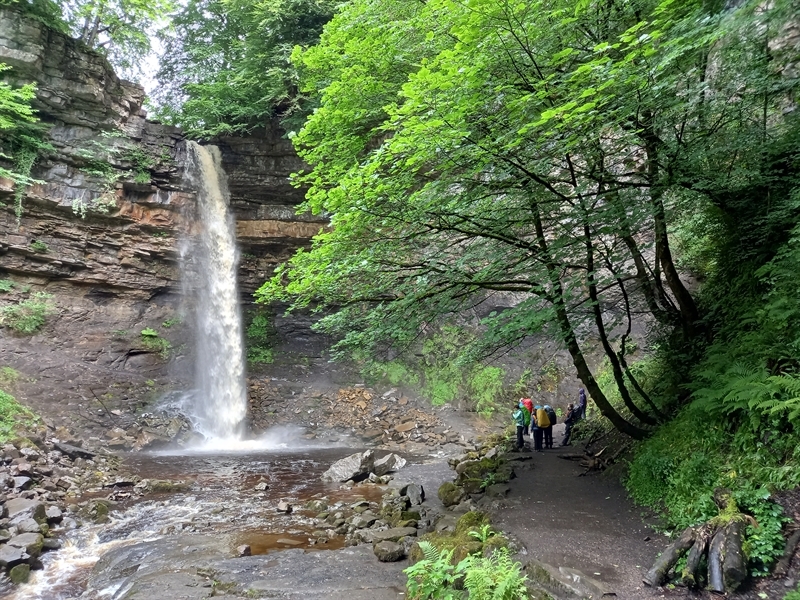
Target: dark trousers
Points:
(548, 437)
(538, 433)
(567, 431)
(520, 441)
(525, 430)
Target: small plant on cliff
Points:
(6, 285)
(260, 335)
(153, 342)
(13, 416)
(39, 246)
(27, 316)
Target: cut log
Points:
(658, 574)
(782, 568)
(716, 582)
(734, 563)
(690, 575)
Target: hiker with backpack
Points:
(541, 422)
(519, 420)
(528, 405)
(548, 431)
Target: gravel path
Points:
(584, 523)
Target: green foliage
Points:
(259, 339)
(678, 469)
(8, 376)
(177, 320)
(225, 67)
(496, 577)
(153, 342)
(39, 246)
(793, 595)
(27, 316)
(6, 285)
(13, 417)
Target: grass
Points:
(27, 316)
(13, 417)
(153, 342)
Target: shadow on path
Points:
(583, 523)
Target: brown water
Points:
(221, 500)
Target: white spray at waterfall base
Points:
(219, 403)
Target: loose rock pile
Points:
(385, 419)
(36, 481)
(391, 525)
(482, 475)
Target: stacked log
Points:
(718, 540)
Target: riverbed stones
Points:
(31, 543)
(20, 574)
(415, 493)
(19, 509)
(355, 466)
(11, 556)
(387, 464)
(387, 551)
(393, 534)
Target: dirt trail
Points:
(583, 523)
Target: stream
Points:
(224, 497)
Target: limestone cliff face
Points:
(101, 231)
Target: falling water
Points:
(220, 401)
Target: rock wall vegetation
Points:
(89, 251)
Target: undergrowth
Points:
(496, 577)
(260, 339)
(13, 417)
(29, 315)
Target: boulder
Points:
(388, 463)
(28, 526)
(22, 482)
(31, 543)
(498, 490)
(284, 507)
(244, 550)
(355, 466)
(150, 440)
(20, 574)
(389, 551)
(73, 451)
(21, 508)
(393, 534)
(11, 555)
(53, 514)
(450, 494)
(415, 493)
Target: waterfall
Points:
(219, 404)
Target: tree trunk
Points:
(660, 571)
(686, 305)
(619, 376)
(568, 334)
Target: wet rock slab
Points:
(185, 566)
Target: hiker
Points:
(569, 421)
(541, 422)
(519, 419)
(581, 408)
(527, 414)
(548, 431)
(529, 405)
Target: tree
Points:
(532, 149)
(225, 66)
